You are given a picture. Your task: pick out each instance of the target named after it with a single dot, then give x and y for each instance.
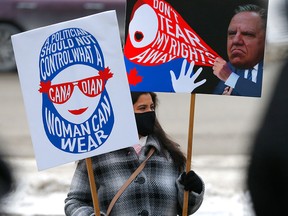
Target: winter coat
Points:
(155, 191)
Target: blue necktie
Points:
(249, 75)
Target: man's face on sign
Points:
(246, 40)
(75, 92)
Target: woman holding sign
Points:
(156, 190)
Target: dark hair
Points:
(253, 8)
(172, 147)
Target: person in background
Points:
(157, 190)
(268, 168)
(267, 173)
(242, 75)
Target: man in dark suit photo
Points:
(242, 75)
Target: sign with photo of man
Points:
(201, 46)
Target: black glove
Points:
(191, 182)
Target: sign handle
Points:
(189, 151)
(93, 186)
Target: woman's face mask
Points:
(145, 122)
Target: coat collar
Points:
(153, 141)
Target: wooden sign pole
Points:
(93, 186)
(189, 151)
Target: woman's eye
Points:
(143, 27)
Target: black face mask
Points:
(145, 122)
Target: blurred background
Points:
(223, 132)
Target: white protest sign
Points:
(75, 89)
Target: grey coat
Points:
(155, 191)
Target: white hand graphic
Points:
(186, 80)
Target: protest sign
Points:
(171, 46)
(166, 50)
(75, 89)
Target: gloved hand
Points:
(191, 182)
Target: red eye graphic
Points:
(143, 27)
